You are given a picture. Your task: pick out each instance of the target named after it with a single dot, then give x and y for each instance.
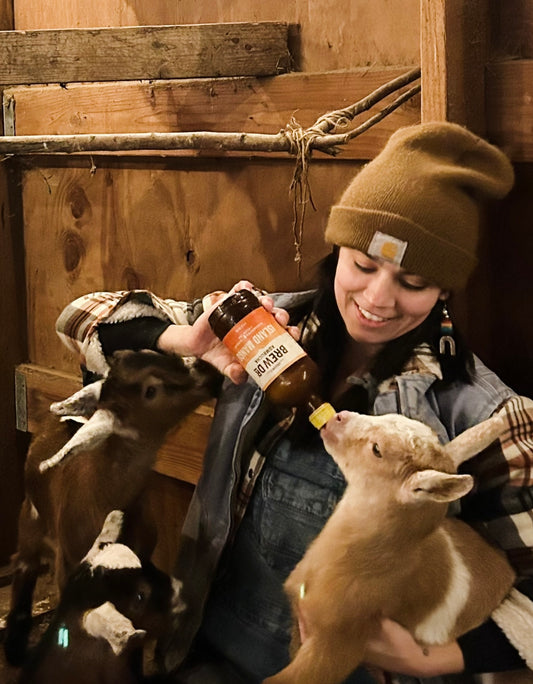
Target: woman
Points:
(405, 235)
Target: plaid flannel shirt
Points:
(503, 500)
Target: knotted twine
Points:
(301, 143)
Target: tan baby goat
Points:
(389, 550)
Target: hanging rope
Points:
(323, 135)
(318, 136)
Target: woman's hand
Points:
(199, 339)
(394, 649)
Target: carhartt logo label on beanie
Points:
(418, 203)
(387, 247)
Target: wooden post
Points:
(453, 54)
(12, 341)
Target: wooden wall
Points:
(331, 35)
(183, 224)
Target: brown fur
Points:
(144, 395)
(389, 550)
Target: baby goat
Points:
(388, 550)
(128, 414)
(109, 606)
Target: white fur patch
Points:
(105, 622)
(90, 435)
(94, 432)
(134, 309)
(34, 513)
(114, 557)
(515, 617)
(81, 403)
(435, 629)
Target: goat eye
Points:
(140, 597)
(150, 392)
(375, 450)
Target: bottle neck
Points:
(320, 411)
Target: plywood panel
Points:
(179, 229)
(250, 105)
(330, 35)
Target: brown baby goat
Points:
(75, 477)
(389, 550)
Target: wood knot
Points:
(73, 250)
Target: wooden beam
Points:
(144, 52)
(247, 105)
(509, 100)
(180, 457)
(453, 54)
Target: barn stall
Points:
(100, 190)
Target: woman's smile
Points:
(371, 317)
(379, 301)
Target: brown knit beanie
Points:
(418, 202)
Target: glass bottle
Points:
(270, 355)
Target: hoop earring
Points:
(446, 341)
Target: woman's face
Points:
(378, 300)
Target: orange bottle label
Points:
(263, 347)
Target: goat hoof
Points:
(18, 627)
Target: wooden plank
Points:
(453, 51)
(180, 457)
(146, 52)
(248, 105)
(509, 98)
(326, 35)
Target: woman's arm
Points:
(394, 649)
(97, 324)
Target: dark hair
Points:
(327, 345)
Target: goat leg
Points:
(27, 562)
(327, 659)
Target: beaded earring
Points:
(446, 341)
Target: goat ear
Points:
(475, 439)
(95, 431)
(109, 534)
(105, 622)
(81, 403)
(434, 485)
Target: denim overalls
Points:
(295, 493)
